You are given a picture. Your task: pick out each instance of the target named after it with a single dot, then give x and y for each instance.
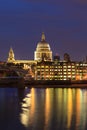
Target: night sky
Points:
(64, 23)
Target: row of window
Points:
(55, 66)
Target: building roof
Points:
(43, 45)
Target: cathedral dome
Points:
(43, 48)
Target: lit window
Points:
(73, 73)
(69, 66)
(38, 69)
(55, 69)
(64, 75)
(64, 66)
(69, 69)
(64, 69)
(69, 76)
(73, 66)
(64, 72)
(38, 66)
(42, 66)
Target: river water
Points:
(43, 109)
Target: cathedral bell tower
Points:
(11, 57)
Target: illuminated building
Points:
(43, 50)
(61, 70)
(11, 59)
(55, 70)
(47, 69)
(81, 71)
(66, 57)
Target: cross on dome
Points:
(43, 37)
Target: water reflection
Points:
(69, 107)
(48, 109)
(9, 109)
(25, 100)
(78, 107)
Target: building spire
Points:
(43, 37)
(11, 56)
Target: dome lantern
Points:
(43, 37)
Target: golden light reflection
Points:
(85, 97)
(65, 96)
(60, 95)
(78, 106)
(47, 106)
(32, 104)
(59, 98)
(25, 107)
(84, 108)
(69, 107)
(66, 105)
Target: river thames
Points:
(43, 109)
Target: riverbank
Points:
(12, 82)
(20, 83)
(56, 84)
(47, 82)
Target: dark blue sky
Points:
(63, 21)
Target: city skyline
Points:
(63, 22)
